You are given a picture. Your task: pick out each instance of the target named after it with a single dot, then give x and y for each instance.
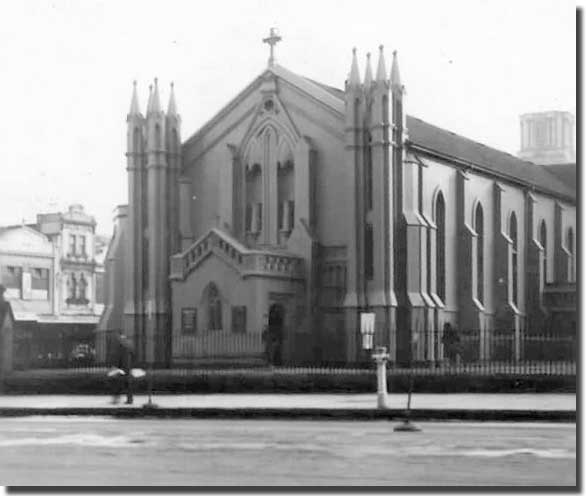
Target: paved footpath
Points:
(470, 402)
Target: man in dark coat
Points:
(451, 341)
(123, 381)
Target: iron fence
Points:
(473, 352)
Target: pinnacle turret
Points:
(395, 76)
(368, 72)
(149, 102)
(155, 103)
(381, 71)
(354, 77)
(134, 108)
(172, 107)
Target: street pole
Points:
(407, 426)
(149, 404)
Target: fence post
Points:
(517, 343)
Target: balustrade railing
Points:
(265, 262)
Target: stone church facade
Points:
(300, 206)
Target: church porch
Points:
(235, 305)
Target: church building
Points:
(299, 206)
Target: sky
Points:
(469, 66)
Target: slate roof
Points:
(566, 172)
(503, 164)
(445, 142)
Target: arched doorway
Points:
(275, 334)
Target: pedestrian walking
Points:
(122, 377)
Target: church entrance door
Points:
(275, 334)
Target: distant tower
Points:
(548, 138)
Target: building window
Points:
(248, 218)
(82, 246)
(100, 290)
(543, 241)
(12, 281)
(72, 247)
(77, 290)
(285, 188)
(258, 227)
(291, 214)
(214, 307)
(440, 247)
(144, 261)
(570, 248)
(189, 321)
(82, 289)
(72, 286)
(479, 224)
(368, 174)
(368, 252)
(254, 193)
(280, 216)
(514, 260)
(40, 279)
(239, 319)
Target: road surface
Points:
(93, 451)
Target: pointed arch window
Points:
(440, 247)
(214, 308)
(570, 248)
(368, 252)
(543, 241)
(514, 274)
(479, 225)
(285, 189)
(368, 171)
(253, 208)
(157, 137)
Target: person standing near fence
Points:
(451, 342)
(123, 380)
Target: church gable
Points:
(290, 90)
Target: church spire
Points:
(368, 72)
(155, 103)
(134, 108)
(395, 76)
(354, 78)
(172, 107)
(381, 71)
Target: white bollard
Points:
(381, 356)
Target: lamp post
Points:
(380, 357)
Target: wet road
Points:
(103, 451)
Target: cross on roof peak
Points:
(272, 40)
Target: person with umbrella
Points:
(122, 373)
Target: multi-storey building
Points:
(53, 275)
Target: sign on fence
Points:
(367, 330)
